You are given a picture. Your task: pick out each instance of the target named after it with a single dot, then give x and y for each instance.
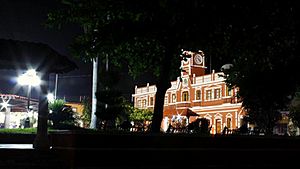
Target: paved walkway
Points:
(16, 146)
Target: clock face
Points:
(198, 59)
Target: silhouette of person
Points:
(169, 128)
(225, 130)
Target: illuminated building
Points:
(196, 95)
(13, 111)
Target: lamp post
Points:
(29, 78)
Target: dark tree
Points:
(264, 58)
(86, 112)
(257, 37)
(111, 104)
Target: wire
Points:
(73, 76)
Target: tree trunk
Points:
(269, 122)
(162, 87)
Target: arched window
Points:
(228, 121)
(185, 96)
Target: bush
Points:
(61, 115)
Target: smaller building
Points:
(76, 107)
(14, 113)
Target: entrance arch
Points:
(218, 123)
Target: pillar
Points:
(41, 140)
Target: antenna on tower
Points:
(209, 63)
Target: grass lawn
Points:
(19, 130)
(33, 130)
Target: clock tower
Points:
(194, 63)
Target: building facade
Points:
(195, 95)
(13, 111)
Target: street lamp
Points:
(29, 78)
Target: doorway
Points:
(218, 126)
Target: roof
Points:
(15, 54)
(182, 112)
(18, 103)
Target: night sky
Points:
(23, 20)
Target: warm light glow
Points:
(29, 78)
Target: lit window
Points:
(185, 96)
(139, 103)
(228, 92)
(166, 99)
(217, 93)
(229, 123)
(173, 98)
(208, 94)
(198, 95)
(143, 103)
(151, 101)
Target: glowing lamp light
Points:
(29, 78)
(50, 97)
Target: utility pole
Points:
(55, 87)
(28, 97)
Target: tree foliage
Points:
(111, 105)
(87, 111)
(264, 60)
(257, 37)
(140, 115)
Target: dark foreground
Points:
(91, 151)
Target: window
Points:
(228, 123)
(217, 93)
(166, 99)
(151, 101)
(139, 103)
(185, 96)
(208, 94)
(143, 103)
(228, 91)
(173, 98)
(198, 95)
(185, 82)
